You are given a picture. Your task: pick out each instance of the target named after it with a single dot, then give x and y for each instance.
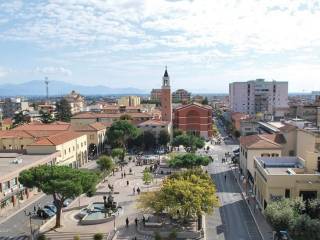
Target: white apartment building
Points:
(259, 96)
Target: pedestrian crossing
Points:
(23, 237)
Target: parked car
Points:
(65, 203)
(51, 207)
(45, 213)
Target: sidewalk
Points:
(263, 226)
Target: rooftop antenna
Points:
(46, 81)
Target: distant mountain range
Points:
(56, 88)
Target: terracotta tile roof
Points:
(261, 141)
(57, 139)
(89, 127)
(90, 115)
(287, 128)
(44, 127)
(154, 123)
(15, 134)
(194, 104)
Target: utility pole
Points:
(46, 81)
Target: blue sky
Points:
(120, 43)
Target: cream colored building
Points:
(71, 145)
(76, 101)
(155, 127)
(96, 136)
(266, 145)
(284, 177)
(131, 101)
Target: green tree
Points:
(20, 118)
(279, 213)
(120, 132)
(164, 138)
(119, 153)
(105, 164)
(237, 133)
(205, 101)
(125, 117)
(46, 117)
(147, 176)
(63, 110)
(61, 182)
(98, 236)
(177, 132)
(187, 194)
(313, 208)
(149, 140)
(188, 160)
(190, 141)
(304, 227)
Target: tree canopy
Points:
(20, 118)
(63, 110)
(46, 117)
(119, 153)
(120, 132)
(164, 138)
(188, 160)
(189, 141)
(186, 195)
(298, 217)
(149, 140)
(105, 164)
(61, 182)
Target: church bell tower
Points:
(166, 98)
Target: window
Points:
(265, 155)
(291, 153)
(287, 193)
(275, 155)
(22, 146)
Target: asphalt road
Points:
(232, 220)
(18, 226)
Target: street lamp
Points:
(30, 215)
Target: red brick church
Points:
(194, 118)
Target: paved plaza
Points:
(126, 199)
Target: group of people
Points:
(138, 190)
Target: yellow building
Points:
(284, 177)
(265, 145)
(96, 136)
(129, 101)
(71, 145)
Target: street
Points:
(232, 220)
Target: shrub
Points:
(98, 236)
(157, 236)
(42, 237)
(173, 235)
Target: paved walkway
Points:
(126, 198)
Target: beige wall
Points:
(15, 143)
(73, 153)
(276, 185)
(291, 143)
(307, 144)
(247, 157)
(82, 121)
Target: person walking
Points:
(127, 222)
(225, 178)
(138, 190)
(134, 191)
(136, 221)
(127, 182)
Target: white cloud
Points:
(53, 71)
(3, 72)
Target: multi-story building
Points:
(76, 101)
(155, 127)
(181, 95)
(155, 95)
(129, 101)
(12, 193)
(259, 96)
(194, 118)
(73, 148)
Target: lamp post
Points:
(30, 215)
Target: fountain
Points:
(99, 212)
